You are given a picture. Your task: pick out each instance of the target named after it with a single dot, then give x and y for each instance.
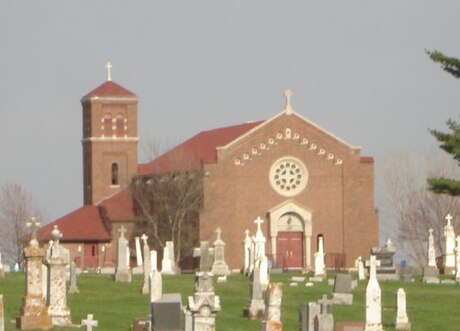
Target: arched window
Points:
(115, 180)
(107, 125)
(120, 125)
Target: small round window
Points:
(288, 176)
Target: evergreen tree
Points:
(450, 142)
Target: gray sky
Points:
(356, 68)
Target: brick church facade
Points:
(301, 179)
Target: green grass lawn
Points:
(116, 305)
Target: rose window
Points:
(288, 176)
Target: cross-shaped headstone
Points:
(430, 231)
(109, 71)
(325, 304)
(144, 238)
(373, 263)
(218, 233)
(89, 322)
(259, 222)
(122, 231)
(203, 252)
(449, 218)
(288, 95)
(34, 225)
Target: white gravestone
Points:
(89, 322)
(146, 262)
(373, 298)
(57, 291)
(431, 250)
(155, 286)
(2, 271)
(247, 242)
(138, 251)
(167, 264)
(457, 260)
(153, 260)
(320, 268)
(123, 272)
(219, 267)
(449, 256)
(259, 254)
(361, 270)
(402, 321)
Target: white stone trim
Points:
(95, 139)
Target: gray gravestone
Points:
(167, 313)
(325, 320)
(342, 290)
(256, 306)
(219, 267)
(73, 288)
(146, 264)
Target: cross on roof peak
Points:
(109, 66)
(288, 95)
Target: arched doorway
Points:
(290, 233)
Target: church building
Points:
(303, 181)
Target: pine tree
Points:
(450, 142)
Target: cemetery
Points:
(57, 296)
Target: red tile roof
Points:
(109, 89)
(83, 224)
(119, 207)
(195, 151)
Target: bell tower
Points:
(109, 140)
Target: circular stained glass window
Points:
(288, 176)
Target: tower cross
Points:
(109, 71)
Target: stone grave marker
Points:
(272, 320)
(123, 272)
(155, 286)
(168, 264)
(373, 298)
(219, 267)
(167, 313)
(449, 254)
(361, 270)
(342, 290)
(402, 321)
(204, 304)
(256, 305)
(457, 260)
(247, 243)
(386, 270)
(307, 315)
(146, 263)
(320, 268)
(89, 322)
(73, 288)
(324, 321)
(138, 251)
(57, 292)
(2, 271)
(34, 311)
(153, 260)
(430, 271)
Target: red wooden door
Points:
(289, 252)
(90, 255)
